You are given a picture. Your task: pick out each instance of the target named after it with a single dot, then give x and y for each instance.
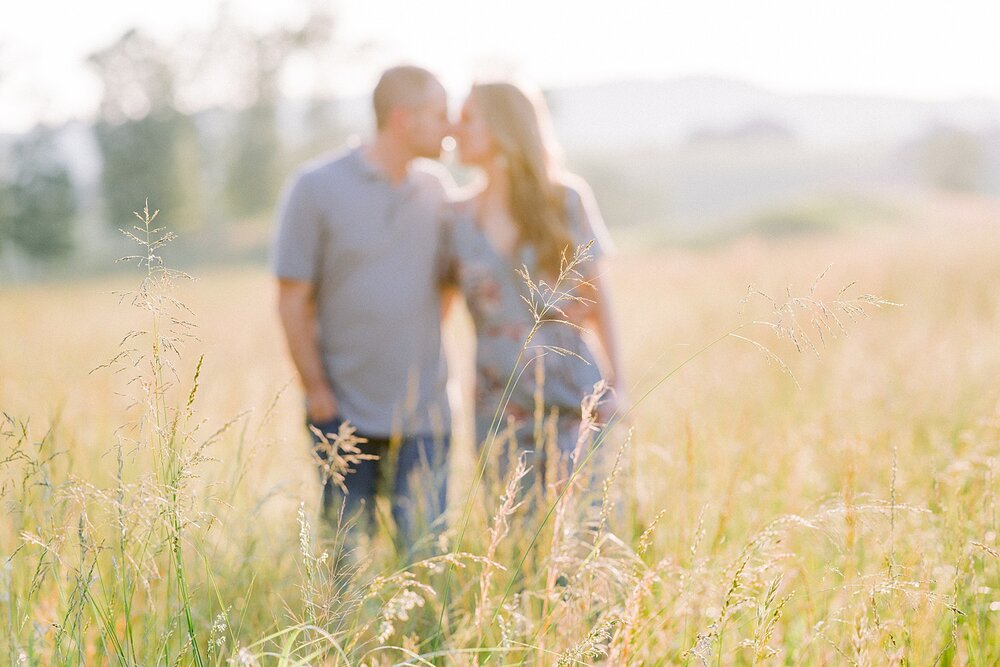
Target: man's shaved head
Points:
(402, 86)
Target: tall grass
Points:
(161, 509)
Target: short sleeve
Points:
(297, 246)
(586, 223)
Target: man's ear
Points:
(399, 119)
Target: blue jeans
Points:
(419, 486)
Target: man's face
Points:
(427, 123)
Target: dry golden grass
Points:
(851, 518)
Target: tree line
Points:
(151, 142)
(194, 128)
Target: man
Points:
(355, 257)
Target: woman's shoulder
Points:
(584, 217)
(576, 200)
(575, 189)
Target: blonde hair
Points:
(521, 130)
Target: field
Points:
(831, 502)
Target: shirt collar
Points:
(371, 171)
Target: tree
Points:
(6, 215)
(253, 176)
(39, 204)
(140, 132)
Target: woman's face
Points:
(476, 145)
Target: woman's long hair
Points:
(521, 128)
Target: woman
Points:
(529, 215)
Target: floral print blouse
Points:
(498, 300)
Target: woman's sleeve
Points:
(586, 223)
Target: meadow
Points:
(808, 475)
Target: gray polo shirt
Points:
(371, 250)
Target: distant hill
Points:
(691, 156)
(630, 114)
(626, 115)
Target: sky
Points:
(920, 50)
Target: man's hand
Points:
(321, 405)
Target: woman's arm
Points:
(602, 323)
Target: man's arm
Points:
(297, 310)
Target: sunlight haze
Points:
(924, 51)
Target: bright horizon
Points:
(931, 51)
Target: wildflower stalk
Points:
(126, 580)
(784, 323)
(163, 432)
(544, 302)
(499, 530)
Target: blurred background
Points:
(695, 125)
